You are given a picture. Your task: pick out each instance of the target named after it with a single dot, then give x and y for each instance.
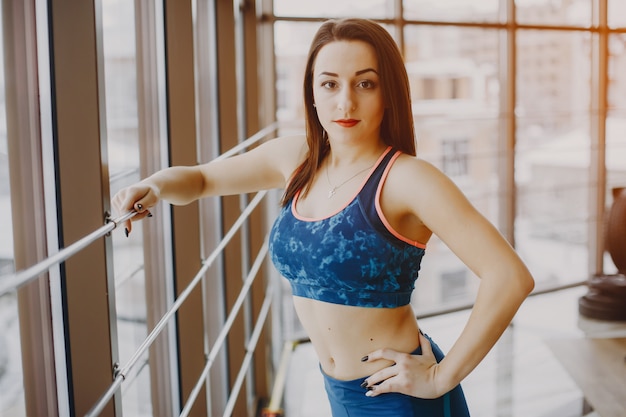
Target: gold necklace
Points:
(334, 188)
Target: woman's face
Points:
(347, 93)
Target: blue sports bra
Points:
(352, 257)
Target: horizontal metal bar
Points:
(129, 277)
(135, 375)
(14, 281)
(221, 337)
(122, 175)
(123, 371)
(278, 390)
(468, 306)
(106, 397)
(250, 141)
(254, 339)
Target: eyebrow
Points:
(363, 71)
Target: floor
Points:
(519, 378)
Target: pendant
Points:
(332, 192)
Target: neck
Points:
(346, 156)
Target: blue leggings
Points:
(348, 399)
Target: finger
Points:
(117, 203)
(117, 210)
(134, 198)
(121, 206)
(385, 353)
(392, 384)
(142, 207)
(427, 349)
(380, 376)
(137, 217)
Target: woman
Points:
(358, 211)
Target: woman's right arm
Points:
(267, 166)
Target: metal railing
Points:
(15, 280)
(124, 370)
(11, 282)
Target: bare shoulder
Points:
(285, 152)
(412, 173)
(423, 189)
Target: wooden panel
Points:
(27, 204)
(83, 197)
(186, 227)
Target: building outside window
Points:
(454, 157)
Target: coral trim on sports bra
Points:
(352, 257)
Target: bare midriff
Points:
(342, 335)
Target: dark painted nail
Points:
(371, 388)
(364, 384)
(364, 358)
(149, 214)
(126, 231)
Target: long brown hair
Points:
(397, 124)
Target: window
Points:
(617, 13)
(453, 285)
(554, 12)
(552, 158)
(333, 8)
(291, 45)
(454, 157)
(616, 126)
(11, 388)
(120, 70)
(451, 10)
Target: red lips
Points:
(346, 122)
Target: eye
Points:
(329, 84)
(366, 84)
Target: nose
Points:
(346, 101)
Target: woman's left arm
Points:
(505, 281)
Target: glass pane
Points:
(11, 387)
(451, 10)
(554, 12)
(375, 9)
(123, 149)
(136, 399)
(616, 125)
(617, 13)
(617, 68)
(291, 47)
(552, 158)
(453, 73)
